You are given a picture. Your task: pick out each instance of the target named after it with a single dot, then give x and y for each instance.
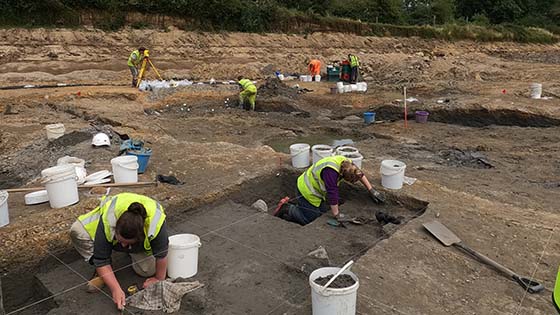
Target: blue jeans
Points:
(304, 213)
(353, 74)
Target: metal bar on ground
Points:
(14, 190)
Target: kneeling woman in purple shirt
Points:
(318, 186)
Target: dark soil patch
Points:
(468, 158)
(70, 139)
(342, 281)
(26, 164)
(471, 117)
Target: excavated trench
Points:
(473, 117)
(246, 254)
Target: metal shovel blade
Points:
(442, 233)
(448, 238)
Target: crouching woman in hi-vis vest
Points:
(318, 186)
(128, 223)
(556, 293)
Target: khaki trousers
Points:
(143, 264)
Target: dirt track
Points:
(506, 211)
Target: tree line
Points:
(263, 15)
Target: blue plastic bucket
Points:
(143, 158)
(369, 117)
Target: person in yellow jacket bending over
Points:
(135, 60)
(129, 223)
(249, 93)
(317, 190)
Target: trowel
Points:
(448, 238)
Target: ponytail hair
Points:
(350, 172)
(130, 225)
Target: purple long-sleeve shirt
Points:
(330, 177)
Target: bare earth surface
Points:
(487, 163)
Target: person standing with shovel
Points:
(318, 186)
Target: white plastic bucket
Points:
(355, 157)
(79, 165)
(340, 87)
(392, 174)
(317, 78)
(182, 256)
(333, 301)
(321, 151)
(300, 155)
(55, 131)
(4, 215)
(60, 182)
(536, 90)
(125, 169)
(346, 149)
(362, 86)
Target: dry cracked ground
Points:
(486, 165)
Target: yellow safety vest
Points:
(310, 183)
(556, 293)
(354, 61)
(134, 62)
(111, 209)
(248, 85)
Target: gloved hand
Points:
(340, 216)
(377, 196)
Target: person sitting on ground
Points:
(134, 61)
(248, 95)
(314, 67)
(129, 223)
(318, 185)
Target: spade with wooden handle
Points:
(448, 238)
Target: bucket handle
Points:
(390, 173)
(49, 179)
(129, 168)
(302, 151)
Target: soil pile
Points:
(342, 281)
(273, 87)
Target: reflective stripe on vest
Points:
(134, 62)
(110, 213)
(354, 62)
(556, 292)
(245, 84)
(310, 183)
(155, 220)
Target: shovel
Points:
(448, 238)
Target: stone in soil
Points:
(342, 281)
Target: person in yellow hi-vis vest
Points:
(317, 190)
(354, 67)
(556, 293)
(129, 223)
(134, 61)
(248, 95)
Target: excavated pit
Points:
(473, 117)
(246, 255)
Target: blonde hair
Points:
(350, 172)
